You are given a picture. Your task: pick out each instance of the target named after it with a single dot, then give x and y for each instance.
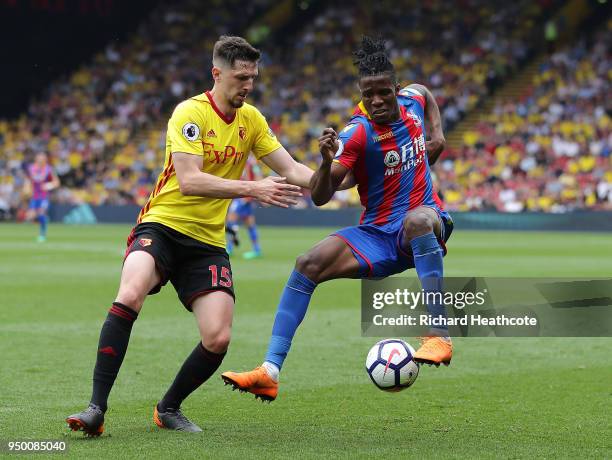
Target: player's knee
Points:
(417, 224)
(132, 297)
(310, 266)
(219, 341)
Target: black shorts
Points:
(193, 267)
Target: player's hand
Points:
(276, 191)
(328, 145)
(435, 145)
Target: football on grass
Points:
(390, 365)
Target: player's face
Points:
(379, 96)
(237, 82)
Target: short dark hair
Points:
(372, 58)
(231, 48)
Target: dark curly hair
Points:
(372, 58)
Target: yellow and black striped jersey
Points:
(198, 127)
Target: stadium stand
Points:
(550, 150)
(476, 47)
(104, 125)
(86, 121)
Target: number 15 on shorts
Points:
(224, 280)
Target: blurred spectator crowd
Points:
(104, 125)
(476, 46)
(549, 151)
(87, 121)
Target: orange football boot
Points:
(257, 382)
(434, 350)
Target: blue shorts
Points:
(242, 208)
(39, 203)
(378, 248)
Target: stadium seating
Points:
(87, 121)
(104, 125)
(549, 151)
(475, 48)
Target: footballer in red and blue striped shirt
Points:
(389, 161)
(390, 164)
(403, 225)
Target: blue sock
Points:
(428, 263)
(42, 220)
(253, 236)
(290, 313)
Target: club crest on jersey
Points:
(392, 159)
(144, 242)
(242, 133)
(191, 131)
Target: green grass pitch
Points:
(511, 398)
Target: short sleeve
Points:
(413, 94)
(352, 145)
(265, 140)
(184, 130)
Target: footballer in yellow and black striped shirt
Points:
(180, 233)
(213, 133)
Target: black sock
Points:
(197, 369)
(114, 338)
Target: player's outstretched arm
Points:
(297, 173)
(435, 145)
(193, 182)
(329, 176)
(284, 165)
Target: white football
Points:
(390, 365)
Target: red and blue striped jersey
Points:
(389, 162)
(40, 175)
(252, 171)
